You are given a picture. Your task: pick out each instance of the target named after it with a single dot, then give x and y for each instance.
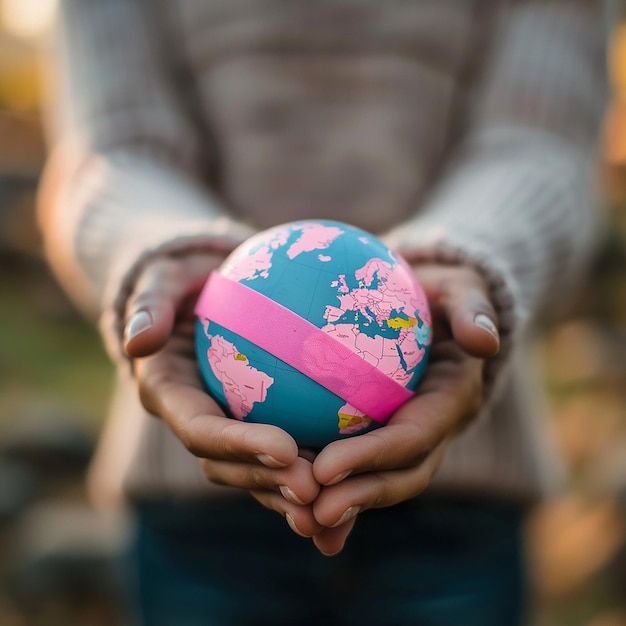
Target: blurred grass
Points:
(49, 356)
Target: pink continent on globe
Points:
(314, 237)
(243, 384)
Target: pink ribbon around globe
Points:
(299, 343)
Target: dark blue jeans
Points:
(426, 562)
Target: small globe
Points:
(313, 326)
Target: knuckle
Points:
(148, 299)
(420, 484)
(382, 490)
(422, 480)
(192, 435)
(382, 450)
(423, 439)
(189, 441)
(257, 476)
(139, 301)
(224, 440)
(208, 469)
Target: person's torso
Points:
(328, 109)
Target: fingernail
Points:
(485, 322)
(288, 494)
(269, 461)
(333, 553)
(139, 323)
(339, 478)
(292, 525)
(353, 511)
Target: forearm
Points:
(102, 214)
(517, 204)
(126, 177)
(516, 200)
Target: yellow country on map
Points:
(240, 357)
(400, 322)
(345, 419)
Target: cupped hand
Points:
(394, 463)
(160, 338)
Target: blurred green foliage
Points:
(49, 356)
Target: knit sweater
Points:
(458, 131)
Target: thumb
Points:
(163, 289)
(462, 296)
(149, 324)
(474, 327)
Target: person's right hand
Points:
(159, 337)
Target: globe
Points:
(315, 327)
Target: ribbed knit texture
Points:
(460, 131)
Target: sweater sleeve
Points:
(125, 178)
(517, 199)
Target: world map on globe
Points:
(349, 285)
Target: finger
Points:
(160, 290)
(463, 296)
(299, 518)
(338, 504)
(169, 387)
(295, 483)
(330, 541)
(449, 396)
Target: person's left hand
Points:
(394, 463)
(160, 339)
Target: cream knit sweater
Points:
(458, 130)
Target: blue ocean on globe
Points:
(348, 284)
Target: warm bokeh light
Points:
(617, 59)
(27, 19)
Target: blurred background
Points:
(60, 559)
